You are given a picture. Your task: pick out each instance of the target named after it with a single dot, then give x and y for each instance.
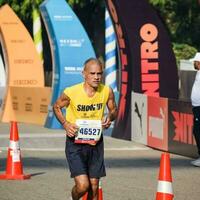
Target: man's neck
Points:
(90, 91)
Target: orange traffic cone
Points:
(164, 188)
(100, 191)
(14, 169)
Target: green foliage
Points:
(158, 2)
(22, 8)
(182, 19)
(183, 51)
(83, 3)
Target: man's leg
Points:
(81, 186)
(93, 190)
(196, 126)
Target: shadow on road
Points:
(34, 162)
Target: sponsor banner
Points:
(157, 123)
(122, 128)
(146, 57)
(22, 61)
(29, 105)
(70, 48)
(139, 118)
(181, 139)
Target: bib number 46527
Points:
(90, 131)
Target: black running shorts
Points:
(85, 159)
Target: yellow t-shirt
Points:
(83, 107)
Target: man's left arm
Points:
(112, 110)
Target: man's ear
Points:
(83, 74)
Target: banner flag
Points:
(22, 62)
(37, 31)
(70, 48)
(146, 56)
(110, 53)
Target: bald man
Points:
(84, 123)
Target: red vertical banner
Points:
(157, 123)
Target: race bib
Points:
(89, 131)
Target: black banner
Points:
(147, 61)
(180, 137)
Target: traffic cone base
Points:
(14, 177)
(162, 196)
(14, 168)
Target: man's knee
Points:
(94, 185)
(82, 187)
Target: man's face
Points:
(197, 65)
(93, 74)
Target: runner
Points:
(84, 122)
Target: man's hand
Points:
(71, 129)
(106, 122)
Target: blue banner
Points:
(70, 48)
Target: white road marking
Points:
(38, 135)
(127, 149)
(62, 149)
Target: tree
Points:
(182, 19)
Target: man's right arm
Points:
(61, 102)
